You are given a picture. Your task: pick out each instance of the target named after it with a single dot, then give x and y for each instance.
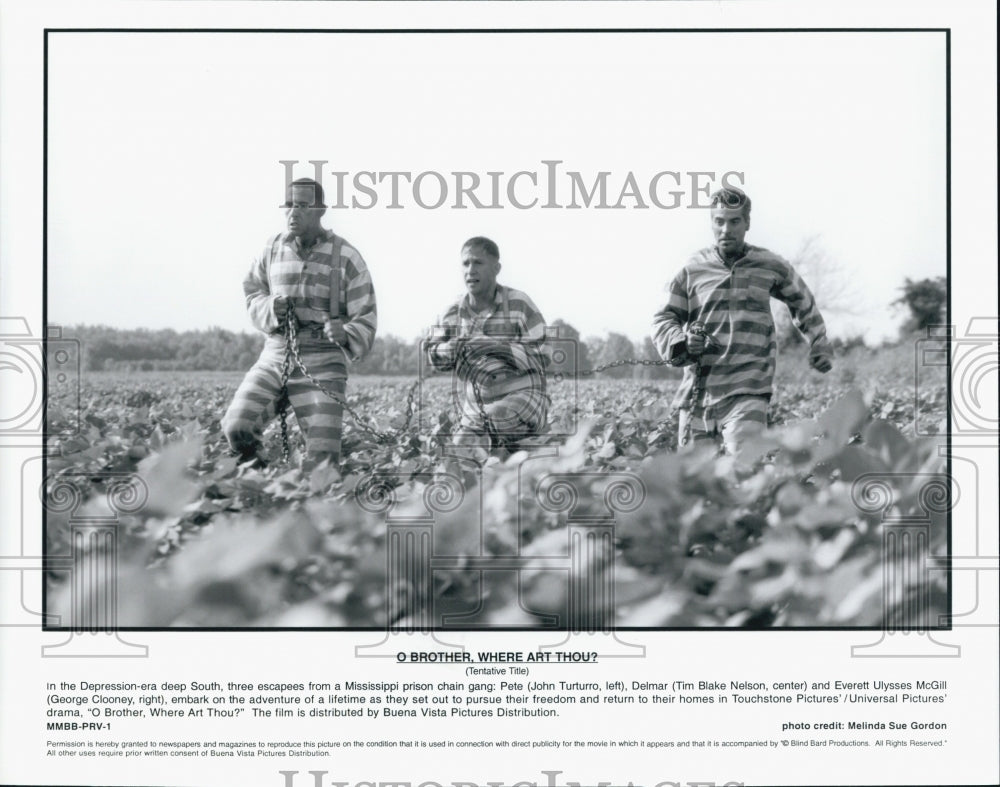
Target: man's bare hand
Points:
(334, 331)
(696, 342)
(281, 307)
(481, 345)
(821, 363)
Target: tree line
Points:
(103, 348)
(140, 349)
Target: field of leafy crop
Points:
(795, 539)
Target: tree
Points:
(568, 339)
(595, 349)
(615, 348)
(166, 349)
(926, 300)
(831, 284)
(390, 355)
(401, 357)
(650, 353)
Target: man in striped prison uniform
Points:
(326, 281)
(717, 323)
(492, 339)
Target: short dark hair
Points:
(319, 200)
(483, 244)
(731, 197)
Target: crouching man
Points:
(492, 339)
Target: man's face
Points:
(729, 225)
(302, 218)
(480, 270)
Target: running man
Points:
(325, 280)
(717, 323)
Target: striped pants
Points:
(517, 415)
(734, 419)
(319, 417)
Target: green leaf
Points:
(885, 441)
(323, 476)
(843, 419)
(851, 462)
(167, 478)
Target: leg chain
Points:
(293, 355)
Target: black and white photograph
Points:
(372, 348)
(321, 318)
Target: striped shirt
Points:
(330, 279)
(733, 302)
(517, 354)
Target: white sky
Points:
(164, 174)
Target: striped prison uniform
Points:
(330, 279)
(500, 350)
(733, 302)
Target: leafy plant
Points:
(776, 538)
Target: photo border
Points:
(47, 627)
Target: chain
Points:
(293, 356)
(697, 385)
(283, 402)
(697, 388)
(622, 362)
(480, 404)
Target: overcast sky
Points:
(165, 181)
